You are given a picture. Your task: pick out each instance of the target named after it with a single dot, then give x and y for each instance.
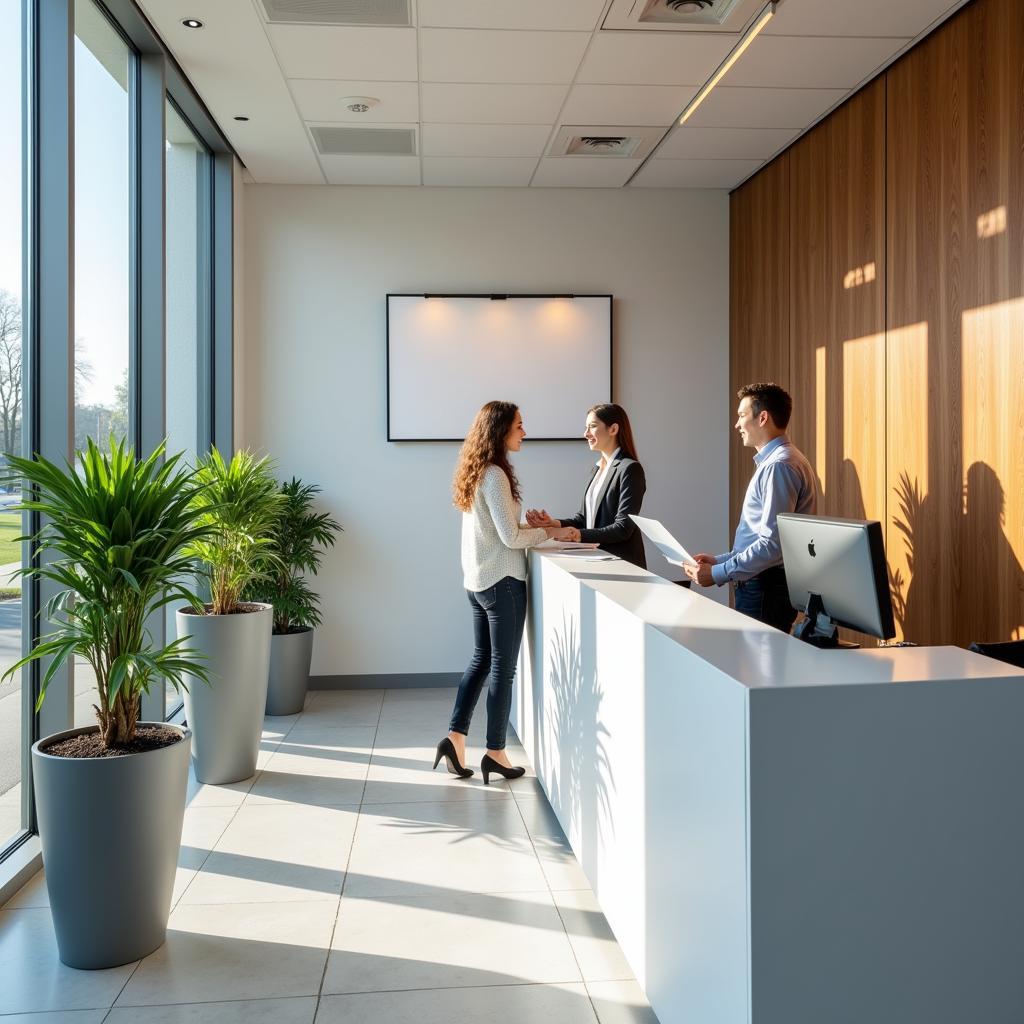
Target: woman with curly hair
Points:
(494, 544)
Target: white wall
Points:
(318, 264)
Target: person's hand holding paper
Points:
(673, 551)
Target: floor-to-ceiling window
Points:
(187, 225)
(103, 68)
(109, 255)
(11, 403)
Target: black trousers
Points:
(766, 598)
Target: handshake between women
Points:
(555, 529)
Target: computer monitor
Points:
(837, 576)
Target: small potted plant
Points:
(299, 543)
(240, 503)
(110, 797)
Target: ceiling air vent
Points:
(681, 15)
(603, 145)
(686, 12)
(338, 12)
(339, 141)
(604, 142)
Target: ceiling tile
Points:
(863, 18)
(370, 54)
(485, 140)
(471, 55)
(626, 104)
(584, 172)
(372, 170)
(510, 172)
(800, 62)
(490, 104)
(232, 66)
(671, 58)
(728, 107)
(321, 100)
(686, 142)
(578, 15)
(694, 173)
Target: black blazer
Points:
(623, 495)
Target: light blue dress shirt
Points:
(782, 482)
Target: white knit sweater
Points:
(493, 541)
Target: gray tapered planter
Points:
(290, 657)
(111, 830)
(226, 716)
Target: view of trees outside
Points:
(11, 738)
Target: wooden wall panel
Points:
(922, 174)
(955, 231)
(837, 305)
(758, 301)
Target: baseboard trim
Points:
(385, 681)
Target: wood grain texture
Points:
(955, 241)
(909, 388)
(758, 300)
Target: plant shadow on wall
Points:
(582, 768)
(984, 561)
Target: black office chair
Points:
(1011, 651)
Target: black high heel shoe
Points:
(488, 765)
(446, 749)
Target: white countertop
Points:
(757, 656)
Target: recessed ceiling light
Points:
(241, 117)
(360, 104)
(191, 23)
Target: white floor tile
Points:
(201, 829)
(235, 951)
(515, 1004)
(278, 852)
(322, 773)
(598, 954)
(57, 1017)
(620, 1002)
(32, 978)
(452, 941)
(472, 846)
(201, 795)
(246, 1011)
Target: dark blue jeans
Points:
(766, 598)
(499, 615)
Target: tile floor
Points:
(348, 882)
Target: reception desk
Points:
(775, 833)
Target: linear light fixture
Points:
(734, 55)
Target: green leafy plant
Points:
(118, 534)
(240, 503)
(301, 539)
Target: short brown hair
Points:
(769, 398)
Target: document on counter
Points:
(565, 545)
(673, 551)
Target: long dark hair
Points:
(485, 446)
(609, 413)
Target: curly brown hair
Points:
(485, 446)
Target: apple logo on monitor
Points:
(811, 551)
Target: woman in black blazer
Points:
(615, 492)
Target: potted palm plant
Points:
(110, 797)
(240, 503)
(299, 543)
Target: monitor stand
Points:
(819, 630)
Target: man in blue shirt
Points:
(783, 481)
